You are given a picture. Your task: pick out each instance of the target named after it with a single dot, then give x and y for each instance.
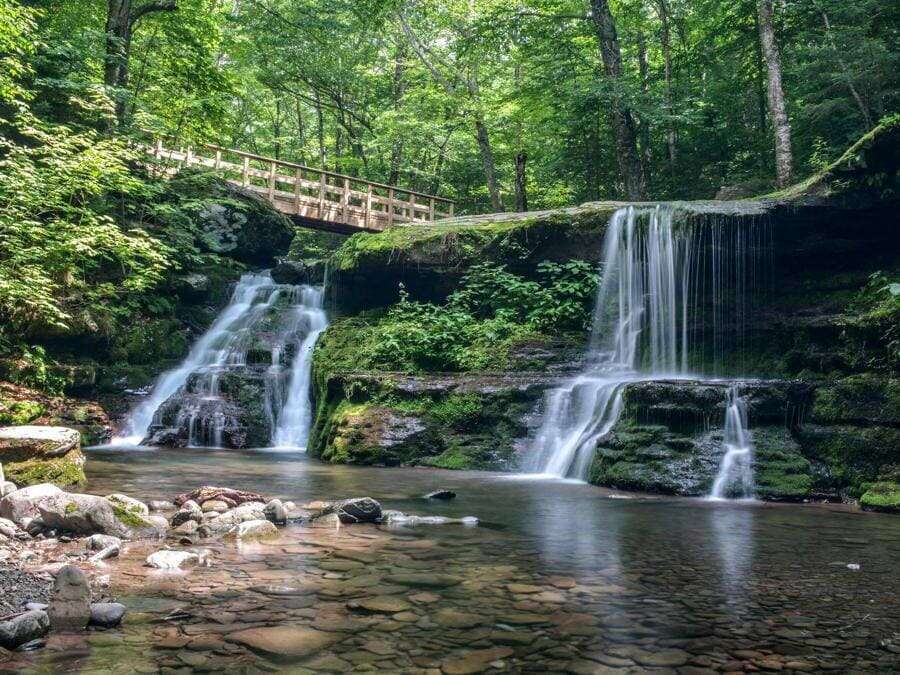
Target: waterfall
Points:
(663, 282)
(223, 343)
(735, 477)
(292, 426)
(188, 406)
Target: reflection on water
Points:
(557, 577)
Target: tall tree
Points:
(781, 126)
(620, 115)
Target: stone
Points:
(23, 628)
(190, 510)
(23, 504)
(452, 618)
(89, 514)
(33, 455)
(217, 505)
(173, 560)
(276, 512)
(284, 643)
(129, 504)
(7, 488)
(160, 505)
(98, 542)
(70, 605)
(105, 554)
(231, 497)
(107, 614)
(224, 522)
(381, 604)
(474, 662)
(355, 510)
(423, 580)
(8, 528)
(186, 528)
(292, 272)
(251, 530)
(445, 495)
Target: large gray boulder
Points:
(355, 510)
(22, 505)
(90, 514)
(51, 453)
(24, 628)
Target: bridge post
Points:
(368, 205)
(218, 159)
(451, 209)
(297, 179)
(390, 207)
(245, 175)
(322, 196)
(431, 210)
(345, 201)
(188, 156)
(272, 181)
(412, 207)
(158, 150)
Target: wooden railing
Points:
(310, 193)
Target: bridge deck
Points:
(317, 198)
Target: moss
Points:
(19, 412)
(71, 507)
(883, 496)
(127, 517)
(853, 455)
(62, 472)
(452, 458)
(865, 399)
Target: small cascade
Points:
(245, 381)
(673, 292)
(222, 344)
(309, 320)
(735, 477)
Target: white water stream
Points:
(735, 477)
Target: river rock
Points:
(284, 643)
(160, 505)
(228, 495)
(9, 529)
(276, 512)
(36, 453)
(23, 504)
(355, 510)
(190, 510)
(24, 628)
(291, 272)
(7, 488)
(98, 542)
(216, 505)
(105, 554)
(70, 606)
(107, 614)
(253, 529)
(186, 529)
(89, 514)
(445, 495)
(129, 504)
(174, 560)
(230, 519)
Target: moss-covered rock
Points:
(881, 497)
(14, 413)
(31, 455)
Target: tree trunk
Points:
(487, 162)
(666, 40)
(620, 116)
(643, 124)
(399, 89)
(777, 110)
(521, 192)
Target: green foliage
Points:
(872, 334)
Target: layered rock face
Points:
(33, 454)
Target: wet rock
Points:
(106, 553)
(160, 505)
(474, 662)
(452, 618)
(107, 614)
(217, 505)
(381, 604)
(23, 504)
(284, 643)
(423, 580)
(24, 628)
(129, 504)
(445, 495)
(228, 495)
(290, 272)
(355, 510)
(189, 510)
(98, 542)
(251, 530)
(174, 560)
(70, 606)
(89, 514)
(225, 522)
(186, 528)
(400, 518)
(7, 488)
(276, 512)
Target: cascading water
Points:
(663, 281)
(735, 477)
(221, 344)
(292, 425)
(191, 406)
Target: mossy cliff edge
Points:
(824, 331)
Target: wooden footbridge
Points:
(313, 197)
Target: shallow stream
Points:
(558, 577)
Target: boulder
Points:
(33, 455)
(160, 505)
(290, 272)
(98, 542)
(174, 560)
(190, 510)
(7, 488)
(70, 606)
(445, 495)
(23, 628)
(276, 512)
(355, 510)
(107, 614)
(23, 504)
(90, 514)
(215, 505)
(251, 530)
(186, 528)
(228, 495)
(193, 286)
(129, 504)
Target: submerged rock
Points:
(253, 529)
(174, 560)
(355, 510)
(284, 643)
(228, 495)
(24, 628)
(445, 495)
(107, 614)
(70, 606)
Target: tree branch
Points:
(151, 7)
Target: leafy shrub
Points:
(872, 335)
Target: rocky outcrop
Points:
(31, 455)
